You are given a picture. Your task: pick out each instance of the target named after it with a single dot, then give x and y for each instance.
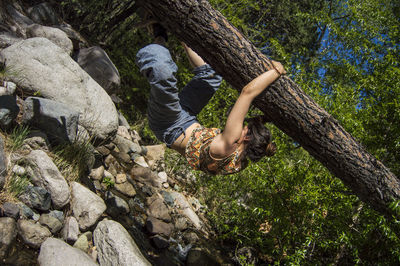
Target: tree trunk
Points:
(207, 32)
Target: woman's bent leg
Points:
(196, 94)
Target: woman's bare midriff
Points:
(180, 143)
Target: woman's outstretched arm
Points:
(234, 124)
(194, 59)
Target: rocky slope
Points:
(124, 209)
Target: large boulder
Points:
(43, 68)
(44, 173)
(56, 252)
(115, 246)
(86, 206)
(95, 61)
(57, 120)
(57, 36)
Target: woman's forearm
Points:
(260, 83)
(194, 59)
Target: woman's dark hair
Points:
(260, 144)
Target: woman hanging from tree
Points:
(172, 114)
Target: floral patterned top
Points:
(197, 153)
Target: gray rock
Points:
(25, 211)
(56, 252)
(116, 206)
(20, 20)
(115, 246)
(122, 120)
(51, 222)
(8, 88)
(97, 174)
(36, 197)
(86, 206)
(158, 209)
(155, 152)
(18, 170)
(37, 140)
(160, 242)
(70, 231)
(57, 120)
(198, 256)
(181, 224)
(46, 69)
(190, 237)
(10, 209)
(8, 110)
(3, 164)
(126, 189)
(8, 39)
(77, 40)
(8, 232)
(58, 215)
(97, 64)
(126, 145)
(123, 131)
(163, 176)
(146, 176)
(155, 226)
(44, 14)
(185, 209)
(82, 243)
(44, 173)
(32, 234)
(168, 198)
(57, 36)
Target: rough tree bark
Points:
(284, 103)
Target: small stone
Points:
(168, 198)
(97, 174)
(59, 215)
(26, 212)
(163, 177)
(190, 237)
(160, 242)
(116, 206)
(181, 224)
(156, 226)
(18, 170)
(112, 169)
(36, 197)
(165, 185)
(10, 209)
(124, 132)
(32, 233)
(82, 243)
(140, 161)
(120, 178)
(51, 222)
(109, 160)
(36, 216)
(159, 210)
(127, 189)
(70, 231)
(103, 150)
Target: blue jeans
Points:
(169, 111)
